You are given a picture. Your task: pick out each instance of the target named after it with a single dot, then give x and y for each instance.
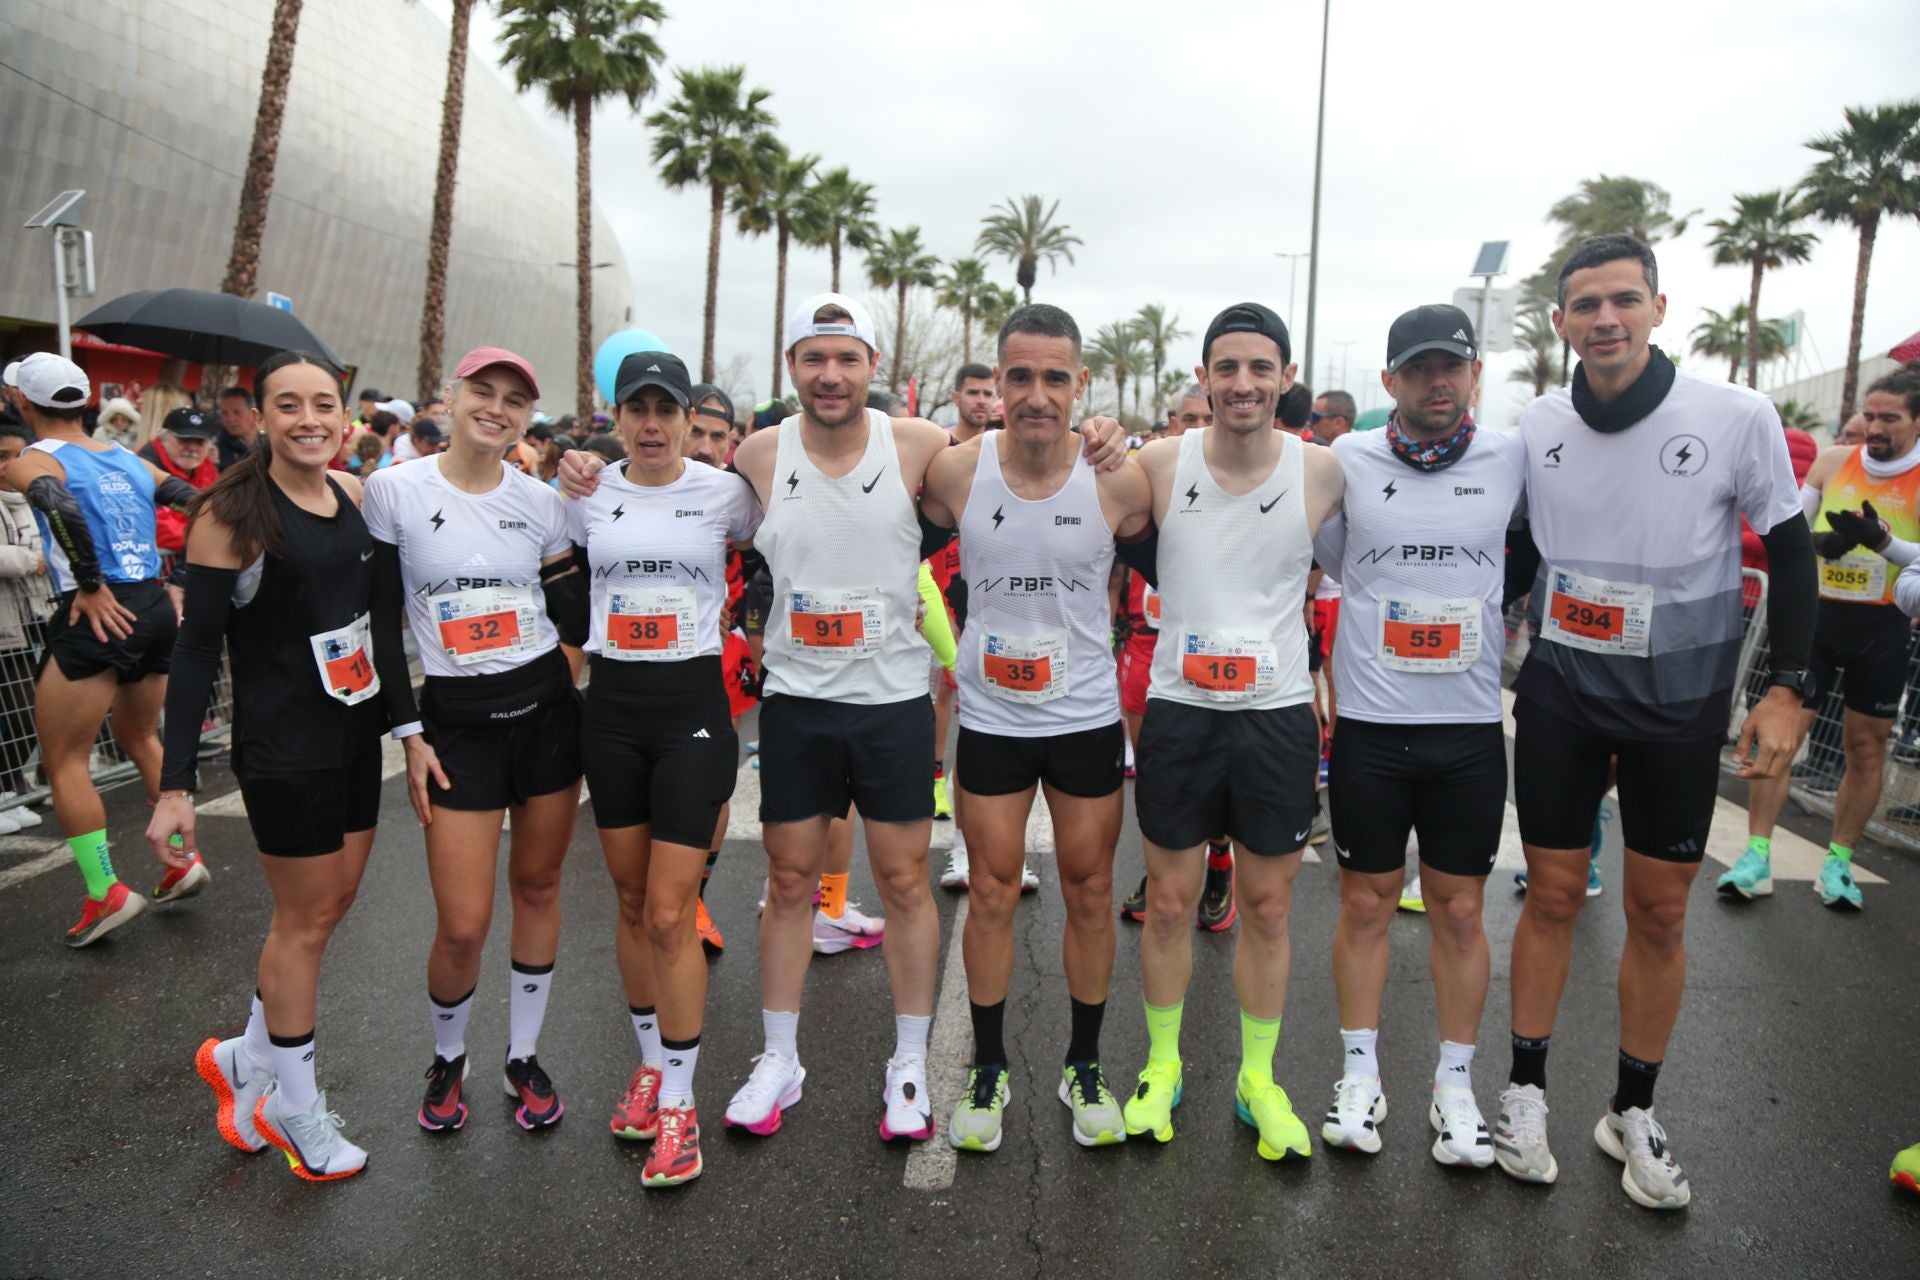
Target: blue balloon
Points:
(606, 361)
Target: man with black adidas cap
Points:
(1420, 547)
(1230, 744)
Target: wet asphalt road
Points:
(1787, 1090)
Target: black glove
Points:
(1860, 528)
(1832, 546)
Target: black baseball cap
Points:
(427, 430)
(1248, 317)
(1434, 327)
(653, 369)
(191, 424)
(368, 393)
(707, 391)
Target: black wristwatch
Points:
(1800, 682)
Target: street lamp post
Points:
(72, 258)
(1319, 141)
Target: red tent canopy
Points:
(1908, 350)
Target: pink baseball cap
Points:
(486, 357)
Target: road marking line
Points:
(930, 1165)
(28, 870)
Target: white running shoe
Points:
(1520, 1137)
(852, 930)
(1354, 1119)
(1650, 1176)
(237, 1087)
(772, 1088)
(1029, 879)
(909, 1111)
(10, 824)
(956, 875)
(1462, 1140)
(311, 1140)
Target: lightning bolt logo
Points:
(437, 521)
(619, 511)
(1686, 452)
(793, 482)
(1193, 494)
(1390, 490)
(998, 517)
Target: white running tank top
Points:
(845, 559)
(1036, 657)
(1233, 587)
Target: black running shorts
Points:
(1667, 788)
(817, 756)
(659, 747)
(310, 812)
(504, 738)
(1091, 763)
(1206, 772)
(147, 652)
(1863, 648)
(1445, 782)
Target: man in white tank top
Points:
(1038, 703)
(1230, 745)
(1421, 546)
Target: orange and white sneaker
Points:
(709, 932)
(637, 1117)
(102, 916)
(237, 1086)
(310, 1140)
(183, 882)
(675, 1157)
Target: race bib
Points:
(345, 660)
(484, 622)
(1150, 608)
(1029, 669)
(1229, 666)
(651, 625)
(1597, 615)
(836, 624)
(1433, 637)
(1859, 576)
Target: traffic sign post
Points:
(280, 302)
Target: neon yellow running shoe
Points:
(1266, 1107)
(1906, 1169)
(1097, 1121)
(1150, 1109)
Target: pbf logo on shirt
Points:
(1684, 455)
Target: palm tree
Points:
(433, 308)
(780, 204)
(1159, 331)
(843, 210)
(1534, 335)
(1867, 170)
(1170, 384)
(996, 304)
(1099, 367)
(1023, 235)
(1724, 337)
(1124, 356)
(578, 52)
(250, 224)
(898, 263)
(963, 289)
(711, 136)
(1760, 234)
(1795, 416)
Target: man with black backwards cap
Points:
(1230, 745)
(1420, 547)
(110, 638)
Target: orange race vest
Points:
(1860, 576)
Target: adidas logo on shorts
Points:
(701, 733)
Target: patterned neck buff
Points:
(1428, 455)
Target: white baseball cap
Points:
(399, 409)
(50, 381)
(801, 324)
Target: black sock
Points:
(1634, 1085)
(706, 873)
(1084, 1043)
(989, 1025)
(1529, 1061)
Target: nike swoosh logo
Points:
(1269, 506)
(1302, 835)
(868, 486)
(365, 556)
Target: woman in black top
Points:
(279, 566)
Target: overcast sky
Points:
(1179, 142)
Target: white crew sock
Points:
(293, 1071)
(1357, 1052)
(450, 1025)
(782, 1031)
(910, 1036)
(1129, 753)
(676, 1076)
(959, 840)
(1456, 1065)
(527, 1007)
(646, 1029)
(254, 1038)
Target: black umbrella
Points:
(207, 328)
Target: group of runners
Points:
(1613, 510)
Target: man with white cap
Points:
(110, 636)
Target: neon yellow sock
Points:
(1258, 1038)
(1163, 1032)
(1762, 845)
(1841, 852)
(90, 851)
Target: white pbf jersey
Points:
(1036, 657)
(1636, 608)
(1233, 587)
(658, 557)
(1423, 558)
(845, 558)
(470, 563)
